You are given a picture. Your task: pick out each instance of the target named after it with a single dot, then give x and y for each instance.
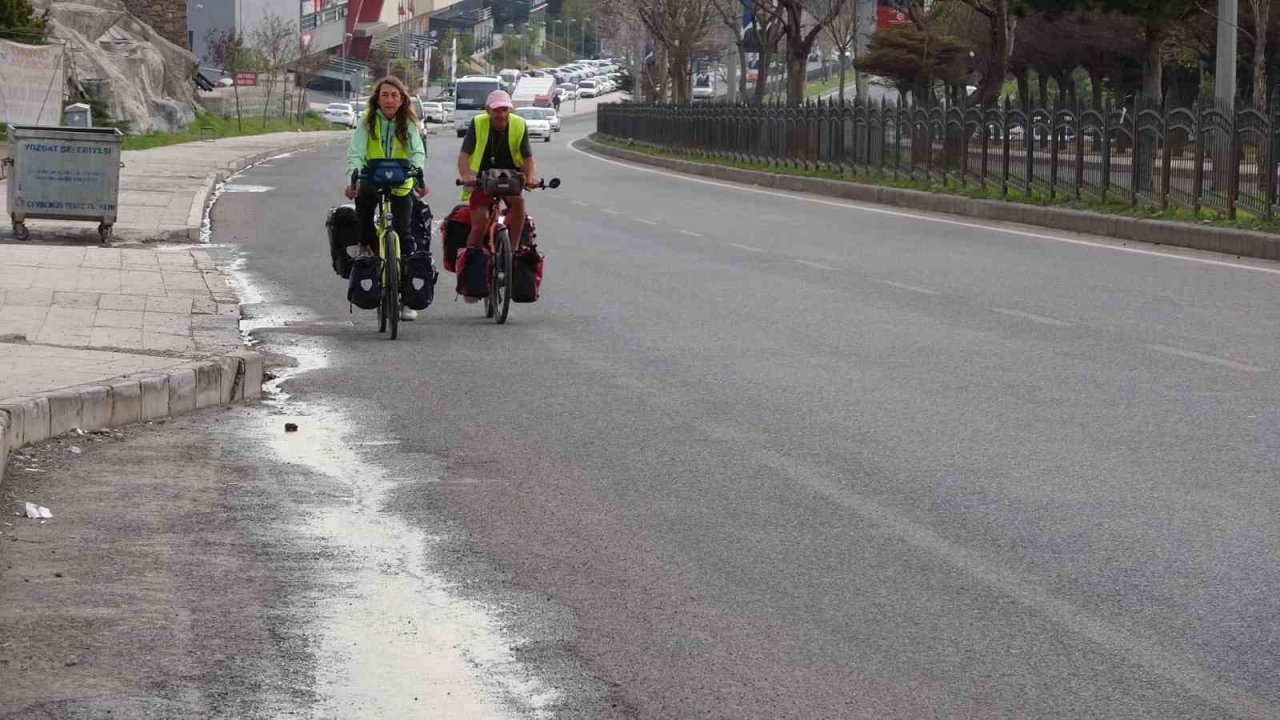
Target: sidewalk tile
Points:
(62, 257)
(76, 299)
(139, 260)
(200, 306)
(181, 305)
(30, 297)
(67, 326)
(102, 258)
(167, 343)
(166, 324)
(22, 320)
(59, 278)
(119, 319)
(123, 302)
(93, 280)
(114, 337)
(15, 277)
(142, 282)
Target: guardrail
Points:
(1196, 157)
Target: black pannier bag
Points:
(420, 224)
(344, 232)
(497, 182)
(418, 287)
(473, 272)
(364, 288)
(526, 274)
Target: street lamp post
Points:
(346, 39)
(553, 35)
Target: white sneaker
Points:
(408, 314)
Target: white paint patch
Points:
(1210, 359)
(690, 233)
(909, 288)
(746, 248)
(1269, 269)
(282, 156)
(1033, 318)
(246, 188)
(646, 221)
(815, 265)
(392, 641)
(579, 203)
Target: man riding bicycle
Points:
(387, 129)
(496, 139)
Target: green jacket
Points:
(383, 143)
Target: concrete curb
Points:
(1243, 243)
(222, 380)
(200, 203)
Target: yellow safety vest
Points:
(515, 137)
(374, 149)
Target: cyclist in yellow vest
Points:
(496, 138)
(387, 129)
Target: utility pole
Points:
(866, 10)
(1225, 69)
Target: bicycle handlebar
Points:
(551, 184)
(411, 174)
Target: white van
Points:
(471, 92)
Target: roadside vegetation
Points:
(1244, 221)
(208, 126)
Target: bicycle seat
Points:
(387, 172)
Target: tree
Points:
(20, 23)
(793, 15)
(915, 57)
(1001, 21)
(276, 42)
(227, 51)
(843, 31)
(1157, 19)
(681, 28)
(1261, 12)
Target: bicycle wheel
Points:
(391, 289)
(502, 277)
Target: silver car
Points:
(537, 122)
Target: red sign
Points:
(246, 79)
(889, 14)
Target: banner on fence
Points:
(31, 84)
(247, 79)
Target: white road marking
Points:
(690, 233)
(646, 221)
(1222, 362)
(579, 203)
(812, 264)
(748, 248)
(238, 187)
(1034, 318)
(909, 288)
(941, 220)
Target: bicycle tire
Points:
(392, 289)
(502, 281)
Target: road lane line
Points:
(579, 203)
(941, 220)
(645, 221)
(812, 264)
(748, 248)
(1212, 360)
(909, 288)
(690, 233)
(1033, 318)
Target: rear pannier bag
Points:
(418, 288)
(453, 235)
(420, 224)
(526, 272)
(344, 232)
(364, 288)
(473, 272)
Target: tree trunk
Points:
(797, 64)
(842, 72)
(1000, 36)
(1153, 64)
(1024, 89)
(1261, 23)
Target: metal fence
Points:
(1198, 157)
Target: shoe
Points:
(408, 314)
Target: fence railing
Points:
(1197, 157)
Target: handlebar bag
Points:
(499, 182)
(387, 172)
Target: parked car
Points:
(588, 88)
(536, 122)
(434, 112)
(703, 88)
(569, 91)
(554, 119)
(340, 114)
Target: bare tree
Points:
(842, 29)
(1261, 24)
(800, 27)
(227, 51)
(276, 41)
(682, 29)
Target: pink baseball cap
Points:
(498, 99)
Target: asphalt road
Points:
(760, 455)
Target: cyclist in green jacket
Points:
(387, 129)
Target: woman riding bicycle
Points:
(387, 129)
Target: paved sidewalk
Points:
(93, 336)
